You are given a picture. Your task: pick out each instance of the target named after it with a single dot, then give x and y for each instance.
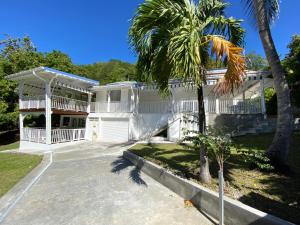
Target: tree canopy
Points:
(291, 64)
(18, 54)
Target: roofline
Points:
(58, 72)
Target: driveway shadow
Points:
(135, 173)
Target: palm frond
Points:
(236, 64)
(271, 10)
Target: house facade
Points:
(75, 108)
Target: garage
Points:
(114, 129)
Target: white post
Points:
(48, 113)
(217, 106)
(108, 101)
(21, 125)
(21, 117)
(21, 90)
(221, 198)
(262, 98)
(132, 108)
(89, 103)
(137, 101)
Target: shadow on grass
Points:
(290, 213)
(121, 164)
(9, 137)
(269, 191)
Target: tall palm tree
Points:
(265, 12)
(173, 39)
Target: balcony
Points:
(110, 107)
(28, 103)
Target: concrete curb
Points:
(236, 213)
(11, 198)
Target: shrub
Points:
(256, 160)
(271, 101)
(216, 143)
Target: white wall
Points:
(145, 125)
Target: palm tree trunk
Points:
(278, 151)
(204, 163)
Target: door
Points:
(114, 130)
(93, 128)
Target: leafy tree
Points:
(112, 71)
(264, 13)
(256, 62)
(60, 61)
(292, 66)
(18, 54)
(173, 38)
(271, 101)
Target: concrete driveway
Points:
(93, 184)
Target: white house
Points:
(77, 108)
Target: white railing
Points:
(221, 106)
(67, 135)
(239, 106)
(68, 104)
(37, 135)
(218, 106)
(112, 107)
(186, 106)
(154, 107)
(32, 102)
(57, 102)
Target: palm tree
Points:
(265, 12)
(173, 38)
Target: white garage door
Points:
(114, 130)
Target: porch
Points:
(38, 135)
(55, 95)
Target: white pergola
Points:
(38, 87)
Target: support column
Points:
(132, 106)
(21, 90)
(173, 106)
(21, 116)
(89, 103)
(48, 113)
(21, 125)
(108, 101)
(262, 98)
(217, 106)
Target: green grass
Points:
(267, 191)
(13, 167)
(10, 146)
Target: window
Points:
(115, 95)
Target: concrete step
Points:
(158, 139)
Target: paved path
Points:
(93, 184)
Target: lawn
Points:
(13, 167)
(267, 191)
(14, 145)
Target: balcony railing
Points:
(221, 106)
(38, 135)
(155, 107)
(57, 102)
(68, 104)
(67, 135)
(32, 102)
(110, 107)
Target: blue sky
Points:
(92, 30)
